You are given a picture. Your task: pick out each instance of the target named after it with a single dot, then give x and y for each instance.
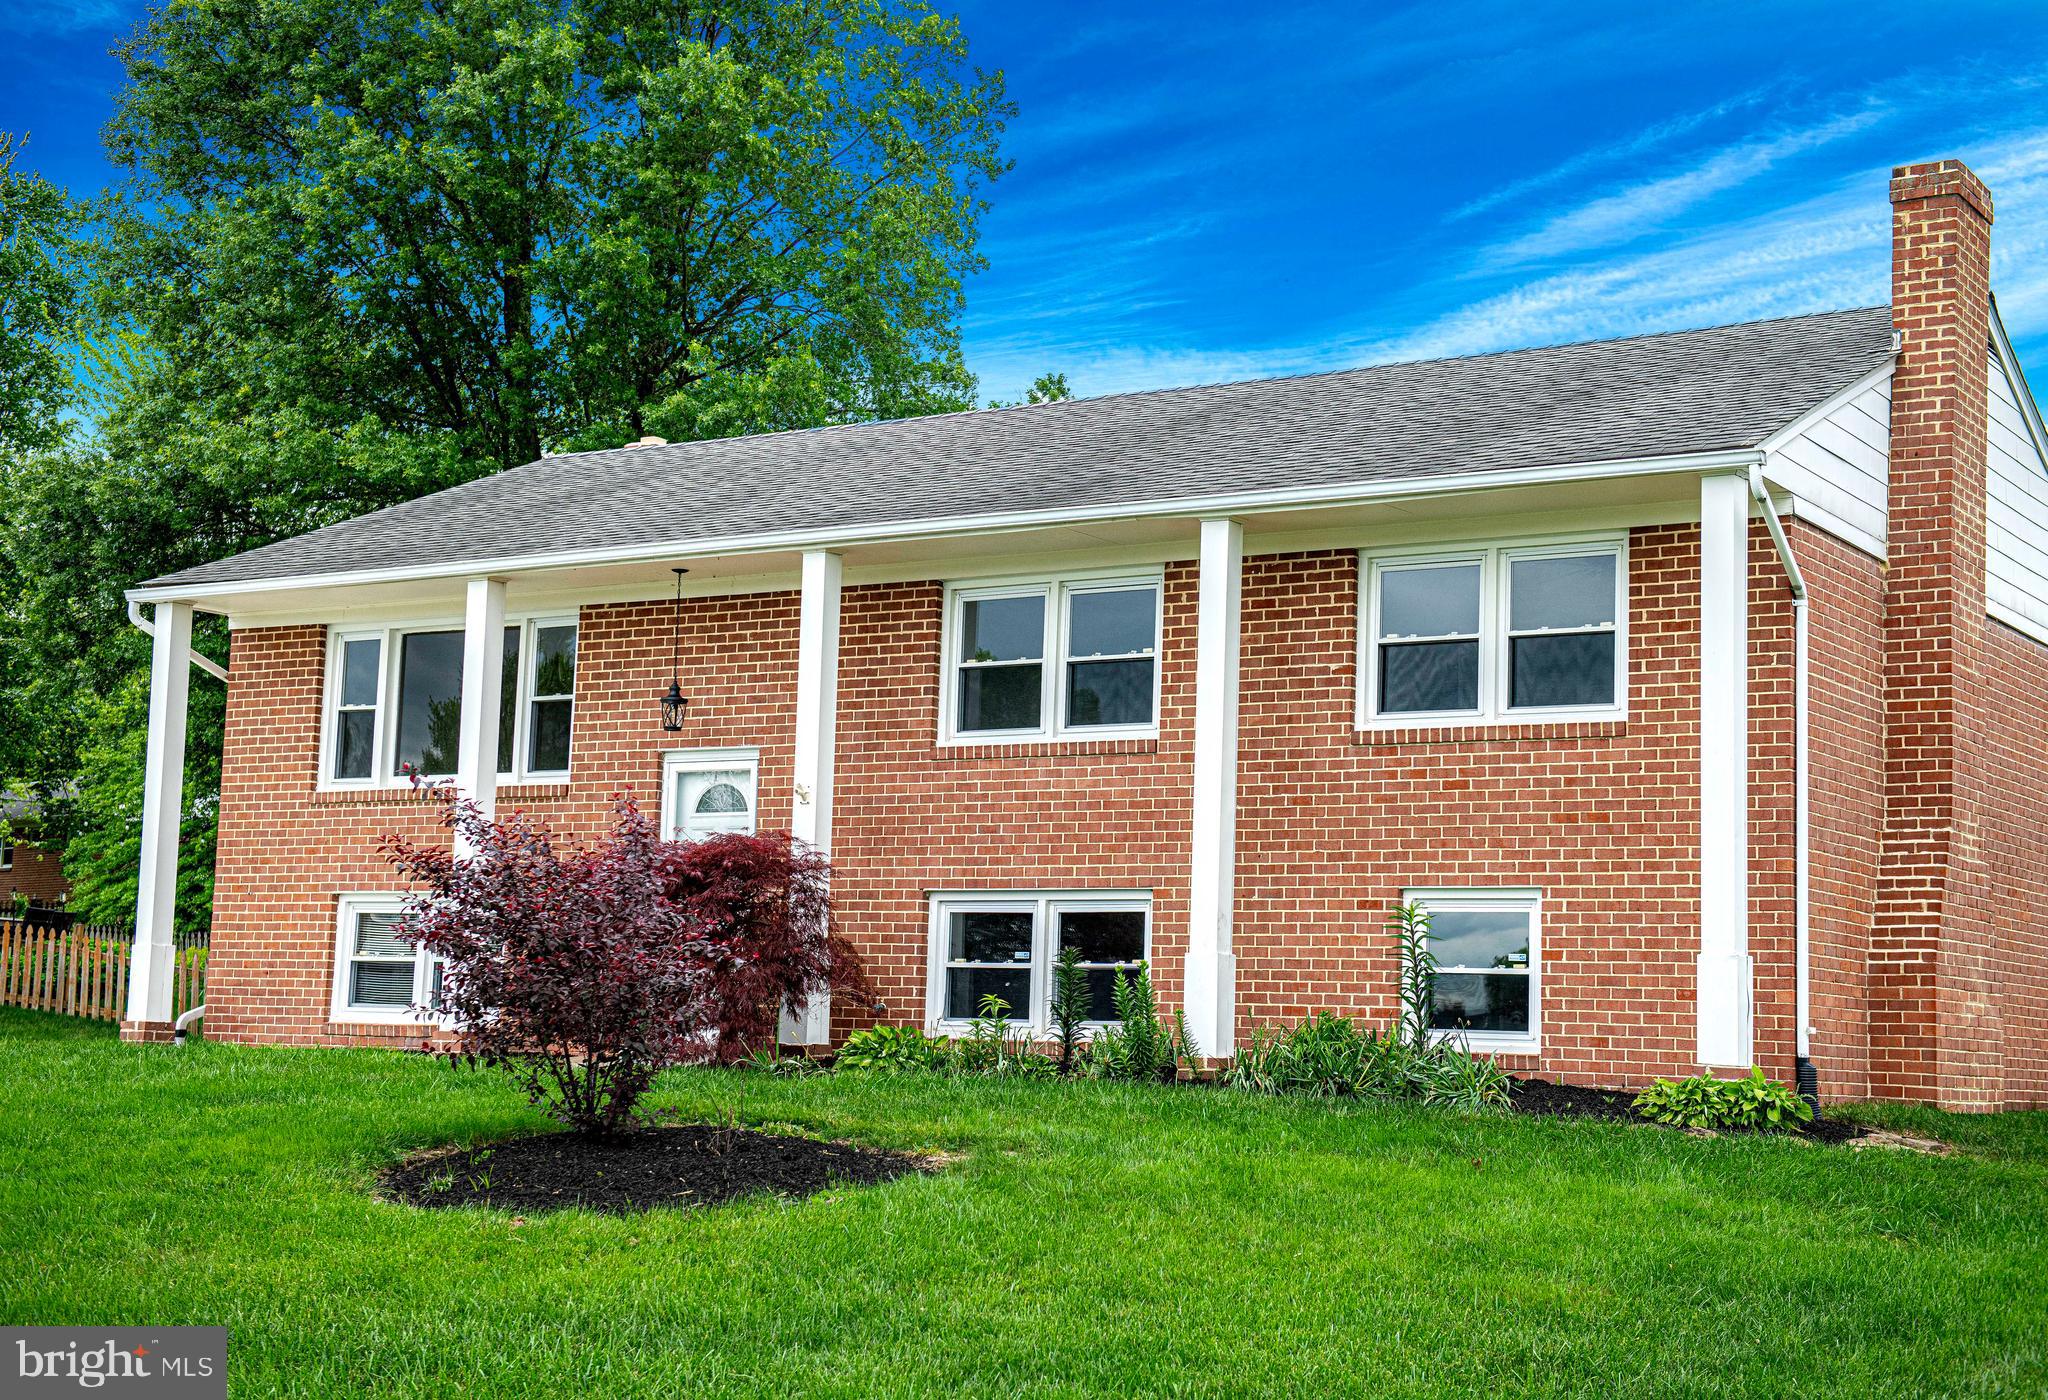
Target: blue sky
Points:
(1209, 192)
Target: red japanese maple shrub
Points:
(584, 971)
(765, 905)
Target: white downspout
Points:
(207, 664)
(1795, 580)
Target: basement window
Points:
(1488, 970)
(1005, 945)
(1062, 657)
(395, 703)
(1494, 634)
(378, 976)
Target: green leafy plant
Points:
(1069, 1007)
(770, 1059)
(893, 1050)
(996, 1047)
(1410, 927)
(1702, 1101)
(1333, 1056)
(1140, 1046)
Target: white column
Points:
(1725, 975)
(483, 679)
(1211, 978)
(163, 802)
(817, 716)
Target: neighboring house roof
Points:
(1676, 394)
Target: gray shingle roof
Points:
(1684, 392)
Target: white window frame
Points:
(1045, 906)
(341, 1011)
(6, 853)
(1057, 592)
(677, 762)
(1529, 901)
(391, 638)
(1495, 561)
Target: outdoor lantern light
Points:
(673, 702)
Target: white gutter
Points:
(1795, 580)
(840, 538)
(205, 663)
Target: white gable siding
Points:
(1838, 467)
(2016, 515)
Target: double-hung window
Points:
(394, 703)
(1051, 658)
(378, 976)
(1496, 633)
(1486, 944)
(1005, 945)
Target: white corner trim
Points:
(163, 789)
(1211, 974)
(1725, 976)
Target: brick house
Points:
(29, 872)
(1698, 683)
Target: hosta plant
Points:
(893, 1050)
(1702, 1101)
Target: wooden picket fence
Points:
(83, 970)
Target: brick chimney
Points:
(1934, 1030)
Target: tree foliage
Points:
(38, 295)
(558, 221)
(584, 971)
(371, 250)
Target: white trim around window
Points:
(361, 696)
(1120, 642)
(705, 792)
(1463, 618)
(1481, 969)
(1021, 958)
(373, 971)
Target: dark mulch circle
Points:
(696, 1164)
(1541, 1096)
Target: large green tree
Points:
(371, 248)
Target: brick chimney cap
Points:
(1939, 179)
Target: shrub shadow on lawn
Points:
(697, 1164)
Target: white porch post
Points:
(483, 671)
(1211, 979)
(1725, 1009)
(817, 715)
(163, 802)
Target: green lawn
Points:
(1093, 1239)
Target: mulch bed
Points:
(1541, 1096)
(697, 1164)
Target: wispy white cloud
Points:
(1600, 157)
(29, 17)
(1629, 213)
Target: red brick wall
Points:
(1602, 817)
(287, 853)
(2015, 838)
(1845, 728)
(1934, 1031)
(37, 875)
(910, 817)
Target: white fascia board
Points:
(840, 539)
(1827, 406)
(2001, 346)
